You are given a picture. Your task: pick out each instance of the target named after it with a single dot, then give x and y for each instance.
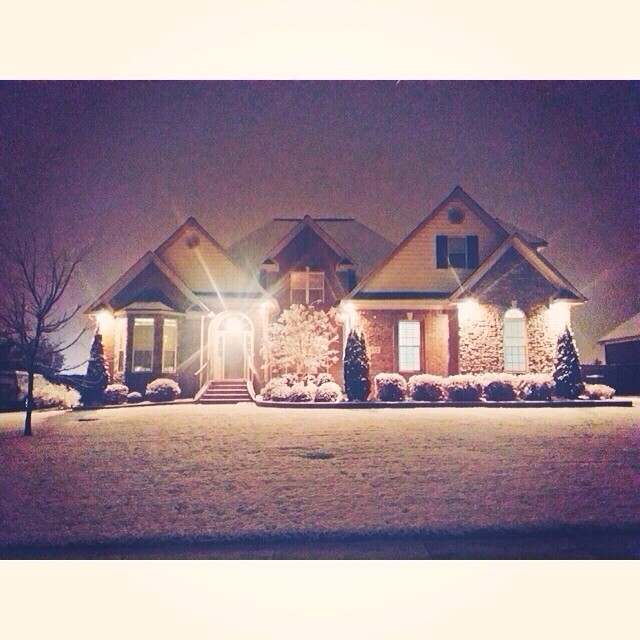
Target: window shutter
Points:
(473, 257)
(442, 250)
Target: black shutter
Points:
(473, 257)
(442, 252)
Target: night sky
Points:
(123, 164)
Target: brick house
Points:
(464, 292)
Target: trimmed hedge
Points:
(162, 390)
(390, 387)
(427, 388)
(115, 394)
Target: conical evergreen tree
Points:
(567, 367)
(357, 382)
(97, 377)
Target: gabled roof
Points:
(147, 259)
(307, 221)
(529, 238)
(564, 288)
(625, 332)
(206, 266)
(352, 240)
(457, 194)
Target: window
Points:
(409, 345)
(142, 344)
(169, 346)
(515, 341)
(457, 252)
(307, 287)
(120, 344)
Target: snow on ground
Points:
(195, 470)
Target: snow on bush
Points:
(300, 393)
(329, 392)
(534, 386)
(426, 387)
(162, 390)
(274, 383)
(323, 378)
(279, 393)
(498, 387)
(390, 387)
(463, 388)
(48, 395)
(598, 391)
(134, 397)
(115, 394)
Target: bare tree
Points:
(35, 274)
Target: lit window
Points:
(142, 344)
(409, 345)
(515, 341)
(169, 346)
(307, 287)
(120, 344)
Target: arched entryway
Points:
(231, 346)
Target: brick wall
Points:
(380, 329)
(480, 332)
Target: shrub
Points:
(280, 393)
(300, 393)
(463, 388)
(115, 394)
(323, 378)
(534, 386)
(499, 387)
(48, 395)
(427, 388)
(357, 379)
(328, 392)
(97, 377)
(162, 390)
(567, 367)
(390, 387)
(598, 391)
(134, 397)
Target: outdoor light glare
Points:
(559, 314)
(349, 308)
(233, 324)
(102, 319)
(468, 309)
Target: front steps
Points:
(225, 392)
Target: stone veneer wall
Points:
(481, 333)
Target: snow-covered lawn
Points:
(194, 470)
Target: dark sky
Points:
(122, 164)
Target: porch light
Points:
(233, 324)
(559, 314)
(468, 309)
(103, 318)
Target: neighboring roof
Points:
(625, 332)
(564, 288)
(351, 239)
(529, 238)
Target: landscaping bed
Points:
(411, 404)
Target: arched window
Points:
(515, 341)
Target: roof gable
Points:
(203, 264)
(411, 266)
(135, 284)
(563, 288)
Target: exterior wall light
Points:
(559, 315)
(468, 309)
(103, 320)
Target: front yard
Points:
(196, 471)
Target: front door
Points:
(230, 347)
(234, 356)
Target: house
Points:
(622, 356)
(464, 292)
